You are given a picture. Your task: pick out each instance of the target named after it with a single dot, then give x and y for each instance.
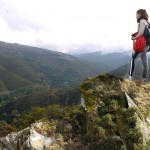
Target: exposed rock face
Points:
(143, 124)
(39, 136)
(116, 113)
(141, 101)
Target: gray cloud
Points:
(15, 19)
(73, 26)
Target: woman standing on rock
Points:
(142, 19)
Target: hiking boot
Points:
(127, 76)
(143, 80)
(130, 77)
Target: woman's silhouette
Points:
(142, 19)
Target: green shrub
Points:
(86, 85)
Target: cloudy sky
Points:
(71, 26)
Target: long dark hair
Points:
(143, 13)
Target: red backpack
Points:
(140, 43)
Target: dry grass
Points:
(140, 93)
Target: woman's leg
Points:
(135, 56)
(145, 64)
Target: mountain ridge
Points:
(112, 60)
(41, 65)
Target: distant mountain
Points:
(111, 60)
(117, 62)
(31, 76)
(9, 80)
(21, 66)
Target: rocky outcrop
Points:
(144, 125)
(140, 100)
(39, 136)
(115, 114)
(108, 94)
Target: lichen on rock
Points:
(39, 136)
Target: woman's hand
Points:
(134, 38)
(132, 34)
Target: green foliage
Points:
(102, 132)
(116, 120)
(14, 112)
(123, 147)
(109, 115)
(147, 145)
(23, 100)
(86, 85)
(95, 146)
(2, 86)
(55, 112)
(106, 124)
(6, 128)
(29, 118)
(113, 143)
(11, 96)
(133, 137)
(12, 81)
(108, 78)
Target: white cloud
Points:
(70, 25)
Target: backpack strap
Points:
(148, 26)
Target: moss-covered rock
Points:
(109, 112)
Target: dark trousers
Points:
(144, 59)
